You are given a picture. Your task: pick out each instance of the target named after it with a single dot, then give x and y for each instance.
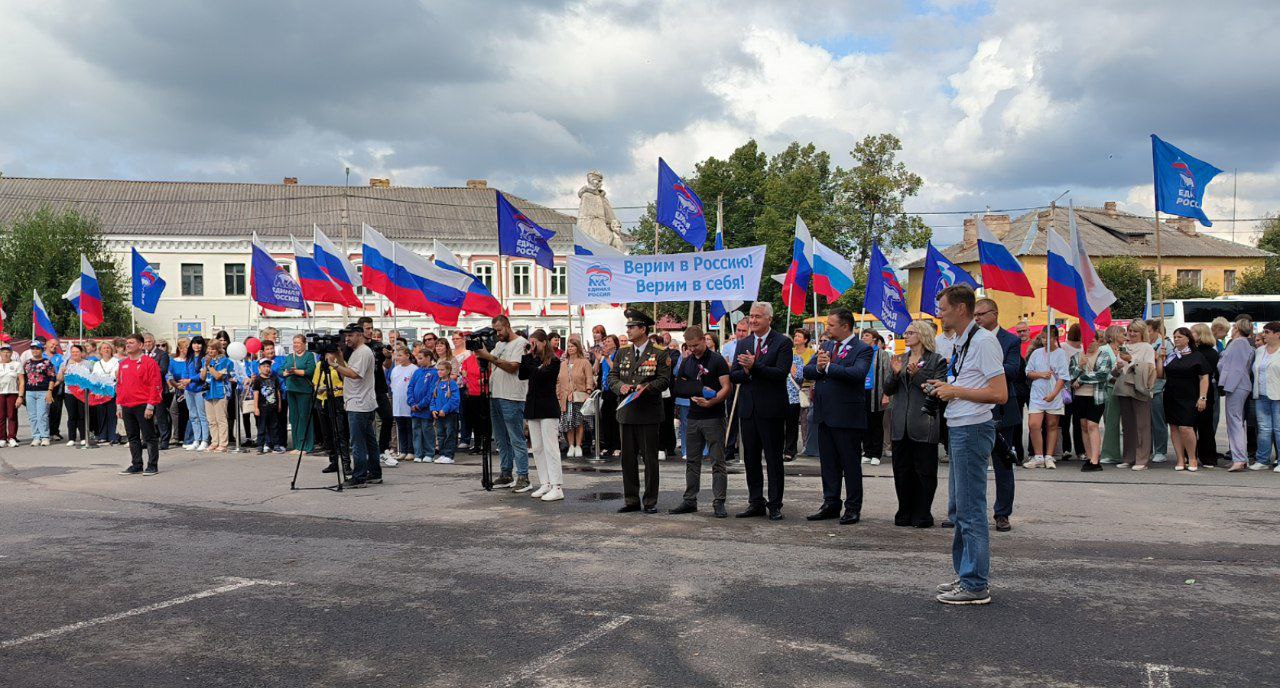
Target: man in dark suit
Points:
(641, 366)
(761, 365)
(1008, 416)
(840, 370)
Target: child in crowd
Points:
(398, 379)
(268, 404)
(421, 388)
(444, 409)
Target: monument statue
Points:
(595, 213)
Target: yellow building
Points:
(1189, 256)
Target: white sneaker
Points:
(185, 447)
(1159, 458)
(1256, 466)
(84, 443)
(34, 442)
(443, 459)
(202, 446)
(71, 443)
(866, 460)
(546, 487)
(874, 461)
(391, 461)
(556, 494)
(13, 443)
(1049, 462)
(1034, 462)
(44, 441)
(406, 457)
(1276, 469)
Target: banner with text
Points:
(729, 275)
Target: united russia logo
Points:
(599, 280)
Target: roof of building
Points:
(219, 209)
(1106, 234)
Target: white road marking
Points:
(233, 584)
(529, 671)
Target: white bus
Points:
(1186, 312)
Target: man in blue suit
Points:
(762, 362)
(1008, 416)
(839, 370)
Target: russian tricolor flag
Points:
(1074, 287)
(40, 318)
(479, 299)
(85, 295)
(832, 272)
(795, 286)
(1000, 270)
(410, 282)
(316, 285)
(334, 263)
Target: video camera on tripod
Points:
(321, 343)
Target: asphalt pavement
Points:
(215, 573)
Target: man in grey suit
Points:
(839, 370)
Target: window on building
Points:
(233, 278)
(484, 271)
(1228, 280)
(1189, 278)
(521, 282)
(360, 290)
(192, 279)
(559, 280)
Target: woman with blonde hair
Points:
(1234, 370)
(1090, 377)
(914, 432)
(573, 384)
(1112, 343)
(1133, 390)
(1206, 427)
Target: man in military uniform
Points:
(643, 370)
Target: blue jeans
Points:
(38, 415)
(1268, 427)
(199, 420)
(508, 435)
(970, 450)
(447, 435)
(364, 446)
(423, 438)
(464, 429)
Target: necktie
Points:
(760, 349)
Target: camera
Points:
(931, 403)
(484, 338)
(320, 343)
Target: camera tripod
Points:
(485, 438)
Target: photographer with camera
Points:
(507, 395)
(382, 362)
(915, 425)
(360, 372)
(974, 385)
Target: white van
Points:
(1187, 312)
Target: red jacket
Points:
(138, 382)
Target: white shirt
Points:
(504, 385)
(9, 373)
(400, 376)
(982, 362)
(1041, 361)
(358, 395)
(945, 345)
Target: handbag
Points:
(804, 398)
(591, 406)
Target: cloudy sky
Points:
(999, 104)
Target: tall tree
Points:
(871, 199)
(41, 250)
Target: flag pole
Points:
(1159, 268)
(788, 307)
(655, 252)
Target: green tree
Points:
(1126, 279)
(1269, 239)
(1264, 280)
(871, 198)
(41, 250)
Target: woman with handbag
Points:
(1133, 391)
(1047, 368)
(1090, 380)
(914, 431)
(573, 384)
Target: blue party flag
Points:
(1180, 181)
(147, 284)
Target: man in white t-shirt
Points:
(359, 375)
(975, 384)
(506, 406)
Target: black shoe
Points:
(628, 508)
(352, 484)
(775, 515)
(718, 511)
(132, 470)
(164, 447)
(150, 470)
(922, 524)
(374, 481)
(331, 468)
(751, 512)
(1087, 467)
(849, 519)
(685, 508)
(823, 515)
(946, 523)
(1002, 524)
(650, 509)
(788, 459)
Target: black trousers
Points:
(164, 422)
(476, 410)
(385, 422)
(667, 429)
(639, 442)
(915, 479)
(270, 419)
(140, 429)
(75, 418)
(792, 431)
(839, 453)
(55, 414)
(762, 437)
(873, 436)
(1206, 439)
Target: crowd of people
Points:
(970, 392)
